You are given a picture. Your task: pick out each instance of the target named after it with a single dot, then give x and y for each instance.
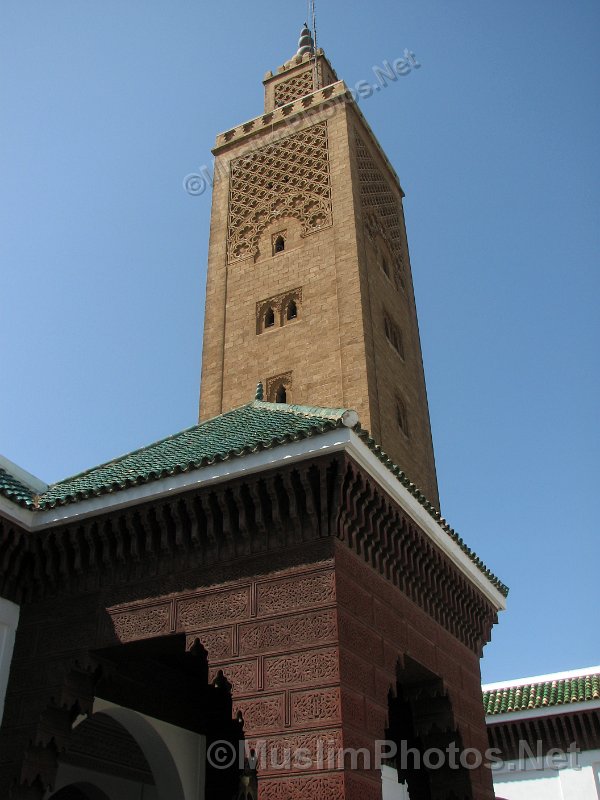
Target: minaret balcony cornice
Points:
(289, 114)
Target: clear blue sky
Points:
(106, 106)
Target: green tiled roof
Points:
(545, 694)
(256, 426)
(253, 427)
(15, 490)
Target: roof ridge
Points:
(538, 680)
(300, 410)
(538, 695)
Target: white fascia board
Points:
(16, 513)
(205, 476)
(367, 459)
(552, 676)
(537, 713)
(9, 614)
(332, 441)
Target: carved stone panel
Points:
(142, 623)
(304, 591)
(315, 627)
(297, 669)
(243, 675)
(217, 643)
(213, 608)
(276, 753)
(320, 706)
(306, 787)
(261, 714)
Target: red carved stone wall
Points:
(308, 632)
(377, 625)
(275, 638)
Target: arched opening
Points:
(279, 244)
(421, 719)
(120, 753)
(281, 394)
(269, 318)
(385, 266)
(291, 310)
(401, 416)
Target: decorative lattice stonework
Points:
(287, 179)
(280, 305)
(293, 88)
(383, 213)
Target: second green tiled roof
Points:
(544, 694)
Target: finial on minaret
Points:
(305, 42)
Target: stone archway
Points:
(173, 754)
(103, 760)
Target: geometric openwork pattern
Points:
(293, 88)
(382, 209)
(287, 179)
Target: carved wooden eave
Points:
(293, 505)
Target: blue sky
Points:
(105, 107)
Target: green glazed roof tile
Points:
(15, 490)
(256, 426)
(544, 694)
(253, 427)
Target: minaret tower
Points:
(309, 286)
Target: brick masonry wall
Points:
(336, 349)
(378, 625)
(324, 347)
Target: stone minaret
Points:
(309, 286)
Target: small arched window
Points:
(279, 244)
(281, 395)
(385, 266)
(269, 318)
(292, 310)
(401, 416)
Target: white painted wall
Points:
(9, 619)
(391, 789)
(514, 782)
